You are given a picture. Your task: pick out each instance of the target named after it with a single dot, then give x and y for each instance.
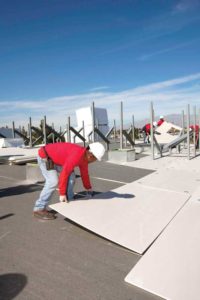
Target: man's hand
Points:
(89, 194)
(63, 198)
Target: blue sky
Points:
(59, 55)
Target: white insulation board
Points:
(131, 216)
(166, 126)
(171, 267)
(172, 179)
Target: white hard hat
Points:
(97, 149)
(155, 124)
(161, 117)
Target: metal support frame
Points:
(159, 148)
(77, 134)
(93, 122)
(128, 138)
(151, 122)
(183, 125)
(121, 125)
(26, 139)
(188, 131)
(109, 132)
(13, 129)
(83, 129)
(133, 129)
(96, 130)
(194, 135)
(38, 131)
(68, 130)
(44, 131)
(53, 133)
(115, 131)
(30, 133)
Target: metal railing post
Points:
(133, 128)
(183, 120)
(68, 130)
(83, 126)
(114, 126)
(30, 133)
(121, 125)
(13, 129)
(183, 125)
(151, 121)
(93, 122)
(188, 131)
(44, 130)
(97, 126)
(194, 136)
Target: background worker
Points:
(147, 131)
(195, 128)
(161, 120)
(65, 156)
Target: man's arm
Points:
(85, 176)
(67, 169)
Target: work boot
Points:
(44, 214)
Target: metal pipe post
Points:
(97, 126)
(183, 125)
(188, 131)
(114, 126)
(68, 131)
(83, 126)
(121, 125)
(151, 121)
(93, 122)
(194, 136)
(44, 130)
(133, 128)
(183, 120)
(30, 133)
(13, 129)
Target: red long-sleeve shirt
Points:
(147, 128)
(68, 156)
(160, 122)
(195, 128)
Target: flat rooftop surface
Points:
(59, 259)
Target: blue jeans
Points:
(146, 137)
(51, 182)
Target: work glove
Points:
(63, 198)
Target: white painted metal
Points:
(17, 155)
(11, 142)
(171, 267)
(85, 114)
(15, 151)
(132, 215)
